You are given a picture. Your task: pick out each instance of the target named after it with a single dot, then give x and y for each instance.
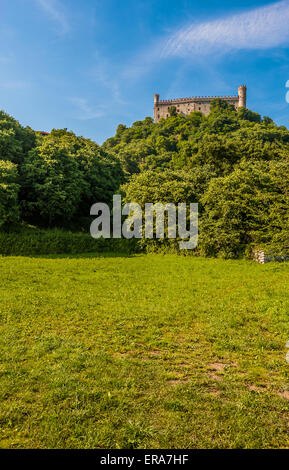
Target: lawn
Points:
(146, 351)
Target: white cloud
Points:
(261, 28)
(85, 111)
(55, 11)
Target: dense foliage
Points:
(9, 188)
(27, 241)
(65, 175)
(15, 140)
(58, 177)
(235, 164)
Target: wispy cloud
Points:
(55, 11)
(104, 74)
(261, 28)
(84, 110)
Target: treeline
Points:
(235, 164)
(53, 180)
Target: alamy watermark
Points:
(156, 221)
(287, 94)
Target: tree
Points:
(218, 104)
(172, 111)
(9, 208)
(52, 182)
(266, 120)
(244, 208)
(15, 140)
(155, 186)
(64, 176)
(102, 173)
(247, 115)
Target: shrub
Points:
(55, 241)
(9, 211)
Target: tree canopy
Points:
(234, 163)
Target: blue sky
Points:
(89, 65)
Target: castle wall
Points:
(187, 105)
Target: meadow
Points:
(143, 351)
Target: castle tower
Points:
(156, 102)
(242, 93)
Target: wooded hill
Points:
(235, 164)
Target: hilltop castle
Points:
(198, 103)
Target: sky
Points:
(89, 65)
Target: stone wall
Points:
(198, 103)
(262, 257)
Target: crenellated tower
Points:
(156, 102)
(242, 93)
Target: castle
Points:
(198, 103)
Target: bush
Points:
(48, 242)
(9, 210)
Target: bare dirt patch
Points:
(283, 395)
(217, 366)
(215, 377)
(216, 370)
(178, 381)
(214, 392)
(255, 388)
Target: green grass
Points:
(146, 351)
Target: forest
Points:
(233, 163)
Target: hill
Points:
(234, 163)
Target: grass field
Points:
(146, 351)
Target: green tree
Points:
(102, 174)
(9, 188)
(155, 186)
(244, 208)
(52, 183)
(15, 140)
(172, 111)
(64, 176)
